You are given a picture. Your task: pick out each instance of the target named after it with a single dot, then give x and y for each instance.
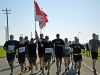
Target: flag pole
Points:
(41, 28)
(35, 16)
(40, 31)
(35, 24)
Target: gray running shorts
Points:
(47, 58)
(32, 60)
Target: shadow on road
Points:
(37, 73)
(72, 71)
(6, 69)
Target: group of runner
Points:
(47, 49)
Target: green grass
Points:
(85, 54)
(2, 52)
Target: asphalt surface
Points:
(85, 70)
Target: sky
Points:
(66, 17)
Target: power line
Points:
(23, 26)
(20, 21)
(7, 23)
(14, 23)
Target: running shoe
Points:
(46, 68)
(29, 68)
(48, 73)
(79, 72)
(25, 69)
(68, 68)
(65, 69)
(40, 68)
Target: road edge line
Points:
(90, 67)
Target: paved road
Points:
(85, 70)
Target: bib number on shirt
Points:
(11, 47)
(48, 50)
(67, 48)
(21, 49)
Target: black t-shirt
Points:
(11, 45)
(77, 48)
(58, 42)
(26, 43)
(22, 49)
(40, 45)
(31, 48)
(48, 47)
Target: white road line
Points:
(89, 67)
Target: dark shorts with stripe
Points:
(10, 56)
(94, 55)
(77, 58)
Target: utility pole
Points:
(78, 34)
(31, 34)
(5, 33)
(7, 23)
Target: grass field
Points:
(2, 52)
(85, 54)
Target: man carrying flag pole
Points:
(38, 17)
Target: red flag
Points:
(44, 16)
(43, 23)
(38, 14)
